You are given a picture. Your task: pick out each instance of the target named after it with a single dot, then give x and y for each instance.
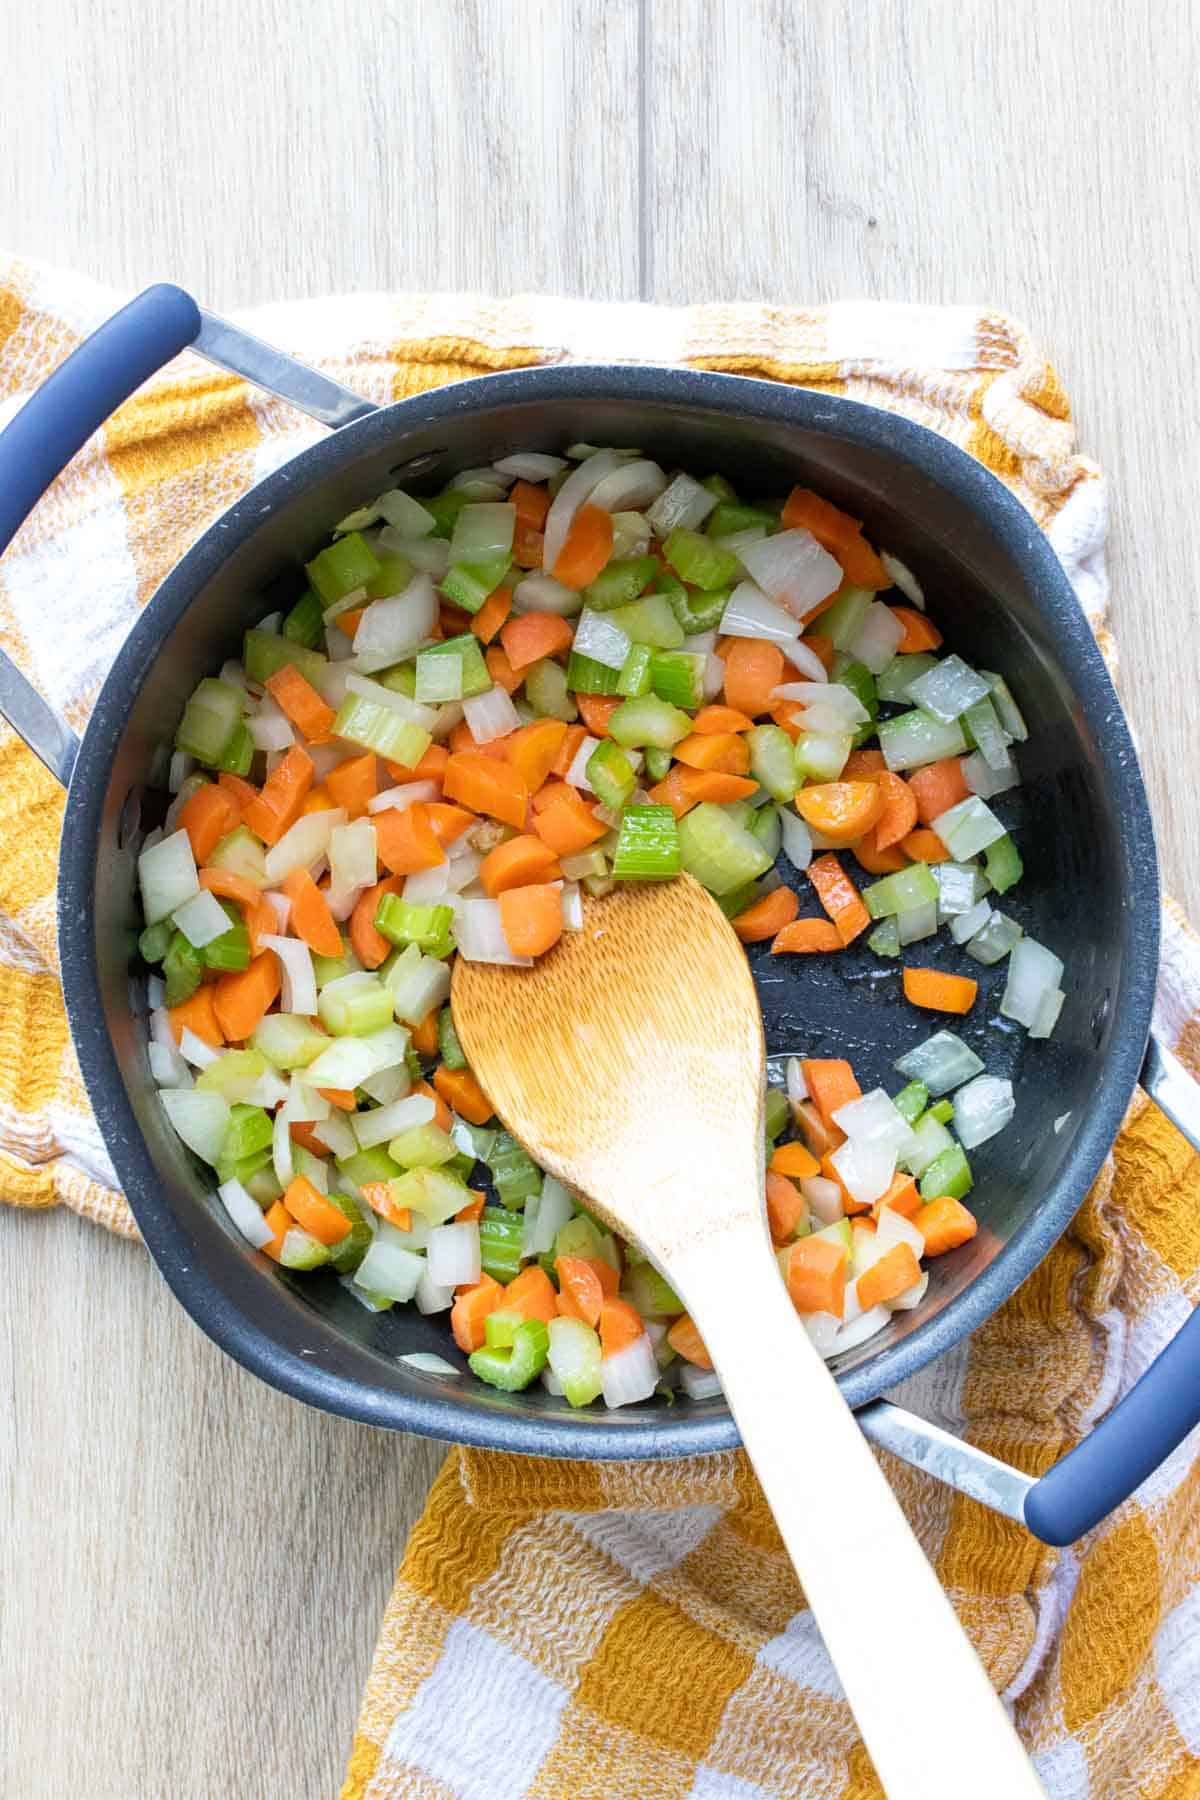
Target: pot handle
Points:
(56, 422)
(1126, 1446)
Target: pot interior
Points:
(1080, 819)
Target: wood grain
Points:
(180, 1594)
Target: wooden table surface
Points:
(193, 1567)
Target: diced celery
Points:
(636, 674)
(230, 953)
(843, 620)
(907, 888)
(400, 679)
(650, 1294)
(650, 620)
(587, 676)
(469, 584)
(245, 1169)
(915, 738)
(839, 1232)
(354, 1005)
(484, 529)
(610, 774)
(343, 566)
(772, 760)
(696, 609)
(648, 720)
(698, 561)
(332, 968)
(241, 853)
(300, 1250)
(248, 1131)
(210, 721)
(444, 509)
(350, 1250)
(678, 676)
(658, 763)
(422, 1147)
(858, 678)
(730, 517)
(648, 845)
(960, 887)
(500, 1234)
(718, 485)
(885, 939)
(911, 1101)
(237, 758)
(475, 676)
(366, 1166)
(264, 654)
(154, 941)
(1006, 707)
(777, 1112)
(949, 1173)
(233, 1075)
(620, 583)
(1002, 860)
(719, 852)
(948, 689)
(893, 684)
(942, 1111)
(500, 1328)
(580, 1236)
(288, 1040)
(821, 755)
(429, 927)
(916, 922)
(515, 1176)
(982, 728)
(438, 679)
(393, 576)
(449, 1048)
(512, 1370)
(305, 624)
(765, 825)
(182, 968)
(376, 727)
(930, 1140)
(547, 691)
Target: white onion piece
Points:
(167, 1066)
(417, 984)
(281, 1151)
(410, 710)
(903, 578)
(156, 992)
(699, 1384)
(857, 1331)
(432, 1298)
(390, 1269)
(530, 465)
(797, 838)
(281, 906)
(335, 1134)
(167, 875)
(270, 624)
(1046, 1017)
(538, 592)
(877, 639)
(388, 1084)
(352, 854)
(332, 685)
(338, 647)
(160, 1027)
(554, 1208)
(684, 502)
(913, 1296)
(895, 1229)
(865, 1168)
(750, 613)
(303, 843)
(551, 1383)
(403, 513)
(483, 530)
(304, 1106)
(803, 658)
(194, 1050)
(833, 701)
(461, 869)
(427, 886)
(797, 1087)
(342, 901)
(596, 636)
(873, 1118)
(428, 554)
(454, 1254)
(822, 1328)
(576, 775)
(182, 765)
(1033, 972)
(631, 1375)
(393, 629)
(299, 989)
(793, 569)
(573, 494)
(714, 676)
(400, 798)
(985, 781)
(481, 938)
(202, 919)
(270, 727)
(631, 488)
(490, 715)
(983, 1107)
(824, 1198)
(572, 906)
(200, 1119)
(384, 1122)
(245, 1213)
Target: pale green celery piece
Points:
(433, 1193)
(210, 721)
(773, 760)
(931, 1139)
(264, 653)
(288, 1040)
(377, 727)
(650, 620)
(764, 824)
(843, 621)
(968, 828)
(546, 687)
(1006, 707)
(885, 939)
(648, 847)
(234, 1075)
(894, 682)
(915, 738)
(354, 1006)
(332, 968)
(994, 940)
(942, 1062)
(652, 1296)
(901, 892)
(241, 853)
(720, 853)
(422, 1147)
(982, 726)
(302, 1251)
(821, 755)
(777, 1113)
(648, 721)
(611, 774)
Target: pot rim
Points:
(440, 1416)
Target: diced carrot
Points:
(607, 1276)
(463, 738)
(860, 565)
(532, 503)
(895, 1272)
(442, 1116)
(841, 810)
(686, 1341)
(317, 799)
(528, 547)
(620, 1325)
(348, 622)
(839, 896)
(405, 839)
(719, 721)
(819, 1136)
(463, 1094)
(370, 946)
(596, 710)
(278, 805)
(310, 917)
(472, 1212)
(763, 918)
(724, 753)
(939, 992)
(309, 1207)
(311, 715)
(261, 920)
(207, 816)
(533, 749)
(926, 846)
(471, 1309)
(484, 785)
(902, 1195)
(425, 1034)
(353, 783)
(828, 523)
(830, 1082)
(492, 614)
(785, 1207)
(431, 767)
(448, 822)
(228, 886)
(568, 750)
(794, 1161)
(519, 862)
(345, 1099)
(587, 549)
(937, 787)
(501, 670)
(899, 814)
(530, 636)
(199, 1016)
(303, 1132)
(532, 1294)
(580, 1295)
(863, 765)
(822, 647)
(240, 792)
(807, 937)
(243, 999)
(552, 790)
(753, 669)
(531, 918)
(814, 612)
(568, 827)
(816, 1276)
(378, 1196)
(453, 620)
(920, 633)
(682, 788)
(279, 1221)
(876, 861)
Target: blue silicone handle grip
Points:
(1127, 1446)
(58, 420)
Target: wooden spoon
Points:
(630, 1062)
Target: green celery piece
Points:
(728, 517)
(1002, 864)
(369, 1165)
(429, 927)
(237, 758)
(724, 490)
(288, 1040)
(911, 1101)
(764, 824)
(376, 727)
(610, 774)
(858, 678)
(777, 1112)
(155, 941)
(547, 691)
(230, 953)
(444, 509)
(648, 720)
(422, 1147)
(773, 760)
(264, 654)
(210, 721)
(949, 1173)
(581, 1236)
(678, 677)
(357, 1009)
(263, 1185)
(658, 763)
(698, 561)
(893, 684)
(843, 620)
(942, 1111)
(462, 1166)
(500, 1328)
(412, 1063)
(983, 729)
(741, 897)
(914, 738)
(515, 1176)
(511, 1370)
(243, 1169)
(650, 1294)
(449, 1048)
(303, 1251)
(349, 1252)
(587, 676)
(620, 583)
(475, 677)
(241, 853)
(885, 939)
(341, 567)
(248, 1132)
(393, 576)
(907, 888)
(305, 624)
(1006, 707)
(469, 584)
(182, 968)
(698, 609)
(821, 755)
(401, 678)
(332, 968)
(647, 845)
(500, 1235)
(635, 677)
(650, 620)
(720, 853)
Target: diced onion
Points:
(200, 1119)
(270, 726)
(873, 1118)
(389, 1269)
(797, 838)
(948, 689)
(482, 531)
(541, 593)
(793, 569)
(194, 1050)
(803, 658)
(865, 1168)
(596, 636)
(554, 1208)
(167, 874)
(877, 639)
(336, 1135)
(631, 1375)
(245, 1213)
(985, 781)
(824, 1198)
(857, 1331)
(156, 992)
(454, 1254)
(822, 1328)
(480, 935)
(699, 1384)
(982, 1108)
(432, 1298)
(202, 919)
(968, 828)
(572, 906)
(576, 775)
(303, 843)
(384, 1122)
(750, 613)
(167, 1066)
(403, 513)
(1046, 1017)
(481, 482)
(942, 1062)
(631, 488)
(426, 886)
(182, 765)
(684, 502)
(399, 798)
(490, 715)
(281, 1150)
(573, 494)
(904, 579)
(299, 990)
(428, 554)
(913, 1296)
(304, 1106)
(348, 1061)
(797, 1087)
(895, 1229)
(530, 465)
(1033, 972)
(393, 629)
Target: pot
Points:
(1090, 891)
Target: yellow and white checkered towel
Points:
(576, 1631)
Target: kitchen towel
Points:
(581, 1631)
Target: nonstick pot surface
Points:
(1089, 892)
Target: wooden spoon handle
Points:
(880, 1607)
